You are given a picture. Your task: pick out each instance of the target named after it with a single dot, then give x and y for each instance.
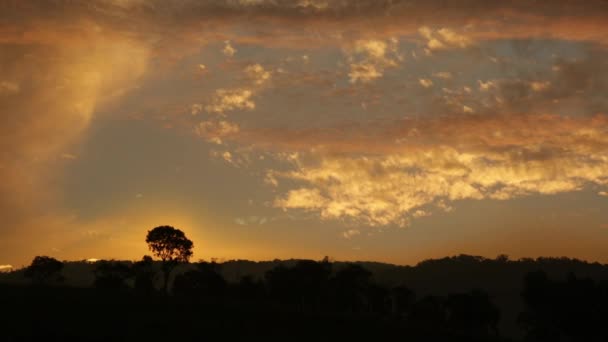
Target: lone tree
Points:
(44, 269)
(170, 245)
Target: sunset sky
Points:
(386, 130)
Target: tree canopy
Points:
(44, 269)
(169, 244)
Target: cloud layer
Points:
(367, 111)
(432, 163)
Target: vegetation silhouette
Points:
(573, 309)
(204, 281)
(170, 245)
(44, 269)
(144, 275)
(460, 298)
(112, 275)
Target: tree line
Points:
(573, 309)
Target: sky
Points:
(385, 130)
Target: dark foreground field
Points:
(86, 314)
(461, 298)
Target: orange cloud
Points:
(378, 181)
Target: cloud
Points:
(315, 4)
(6, 268)
(368, 59)
(228, 50)
(443, 39)
(375, 49)
(443, 75)
(304, 198)
(349, 234)
(452, 38)
(363, 72)
(257, 73)
(251, 220)
(539, 86)
(68, 156)
(171, 23)
(449, 159)
(216, 130)
(420, 213)
(425, 82)
(196, 108)
(227, 156)
(485, 86)
(231, 99)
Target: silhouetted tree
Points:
(402, 299)
(144, 275)
(378, 299)
(205, 281)
(44, 269)
(112, 275)
(170, 245)
(247, 288)
(350, 285)
(428, 314)
(472, 314)
(502, 258)
(303, 285)
(570, 310)
(280, 282)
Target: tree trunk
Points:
(166, 273)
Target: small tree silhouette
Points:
(170, 245)
(44, 269)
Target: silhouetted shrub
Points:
(44, 269)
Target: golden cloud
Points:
(448, 159)
(257, 73)
(231, 99)
(377, 55)
(215, 131)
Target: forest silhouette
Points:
(461, 298)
